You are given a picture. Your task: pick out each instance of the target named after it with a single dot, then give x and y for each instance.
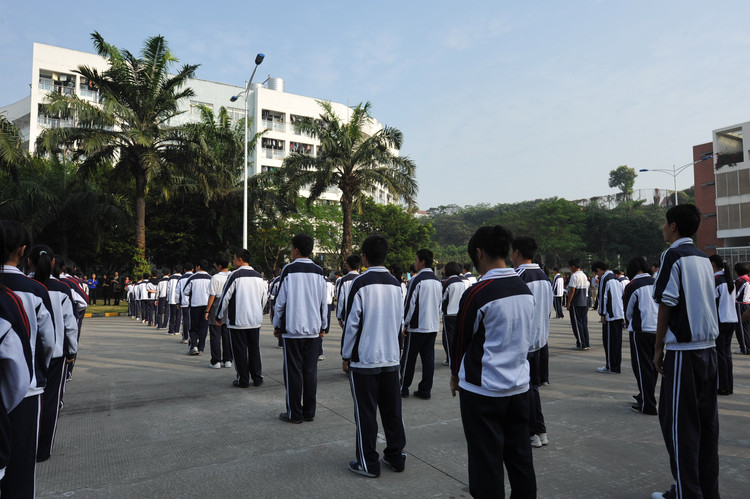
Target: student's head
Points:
(241, 257)
(177, 269)
(17, 241)
(203, 264)
(353, 262)
(599, 267)
(60, 266)
(681, 221)
(489, 246)
(718, 263)
(742, 268)
(41, 259)
(467, 267)
(221, 261)
(424, 259)
(555, 270)
(452, 268)
(636, 265)
(375, 249)
(304, 244)
(525, 246)
(189, 266)
(574, 264)
(397, 271)
(655, 267)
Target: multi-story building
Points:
(272, 110)
(705, 199)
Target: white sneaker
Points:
(535, 441)
(321, 357)
(227, 364)
(602, 369)
(543, 438)
(215, 366)
(194, 351)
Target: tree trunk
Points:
(140, 213)
(347, 200)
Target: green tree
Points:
(623, 178)
(131, 126)
(351, 160)
(12, 153)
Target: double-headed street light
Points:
(258, 59)
(676, 171)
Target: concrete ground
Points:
(142, 419)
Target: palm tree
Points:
(12, 152)
(131, 126)
(352, 160)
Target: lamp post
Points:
(676, 171)
(258, 59)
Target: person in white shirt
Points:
(578, 304)
(612, 315)
(218, 333)
(558, 291)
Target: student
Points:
(19, 477)
(161, 300)
(195, 293)
(80, 302)
(611, 314)
(558, 291)
(421, 323)
(344, 284)
(173, 301)
(218, 333)
(330, 297)
(370, 356)
(578, 308)
(184, 303)
(727, 312)
(523, 251)
(453, 290)
(468, 276)
(687, 327)
(299, 318)
(490, 370)
(640, 314)
(742, 287)
(241, 309)
(41, 261)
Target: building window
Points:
(300, 148)
(729, 146)
(195, 107)
(235, 114)
(87, 89)
(266, 168)
(272, 148)
(273, 120)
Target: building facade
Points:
(271, 109)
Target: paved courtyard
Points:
(142, 419)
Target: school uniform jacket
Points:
(373, 321)
(742, 289)
(493, 336)
(172, 292)
(725, 301)
(541, 288)
(161, 287)
(39, 312)
(16, 368)
(196, 289)
(301, 308)
(243, 298)
(610, 297)
(80, 298)
(344, 285)
(558, 286)
(453, 290)
(685, 282)
(66, 325)
(641, 311)
(423, 303)
(182, 300)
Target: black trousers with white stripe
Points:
(689, 419)
(371, 392)
(422, 344)
(724, 356)
(50, 407)
(497, 433)
(536, 416)
(301, 376)
(198, 328)
(612, 340)
(642, 361)
(20, 479)
(742, 329)
(185, 311)
(557, 302)
(579, 320)
(449, 332)
(246, 354)
(174, 318)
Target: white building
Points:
(271, 108)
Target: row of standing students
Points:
(40, 323)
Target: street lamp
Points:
(258, 59)
(676, 171)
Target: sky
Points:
(498, 101)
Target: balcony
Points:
(49, 122)
(272, 153)
(274, 125)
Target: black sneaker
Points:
(258, 382)
(357, 468)
(287, 419)
(405, 393)
(238, 384)
(397, 469)
(422, 395)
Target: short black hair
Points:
(525, 245)
(189, 266)
(354, 261)
(574, 262)
(452, 268)
(742, 268)
(14, 235)
(599, 265)
(467, 267)
(243, 254)
(304, 244)
(375, 248)
(221, 260)
(426, 256)
(687, 217)
(397, 271)
(495, 241)
(635, 265)
(177, 268)
(203, 264)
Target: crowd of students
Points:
(495, 334)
